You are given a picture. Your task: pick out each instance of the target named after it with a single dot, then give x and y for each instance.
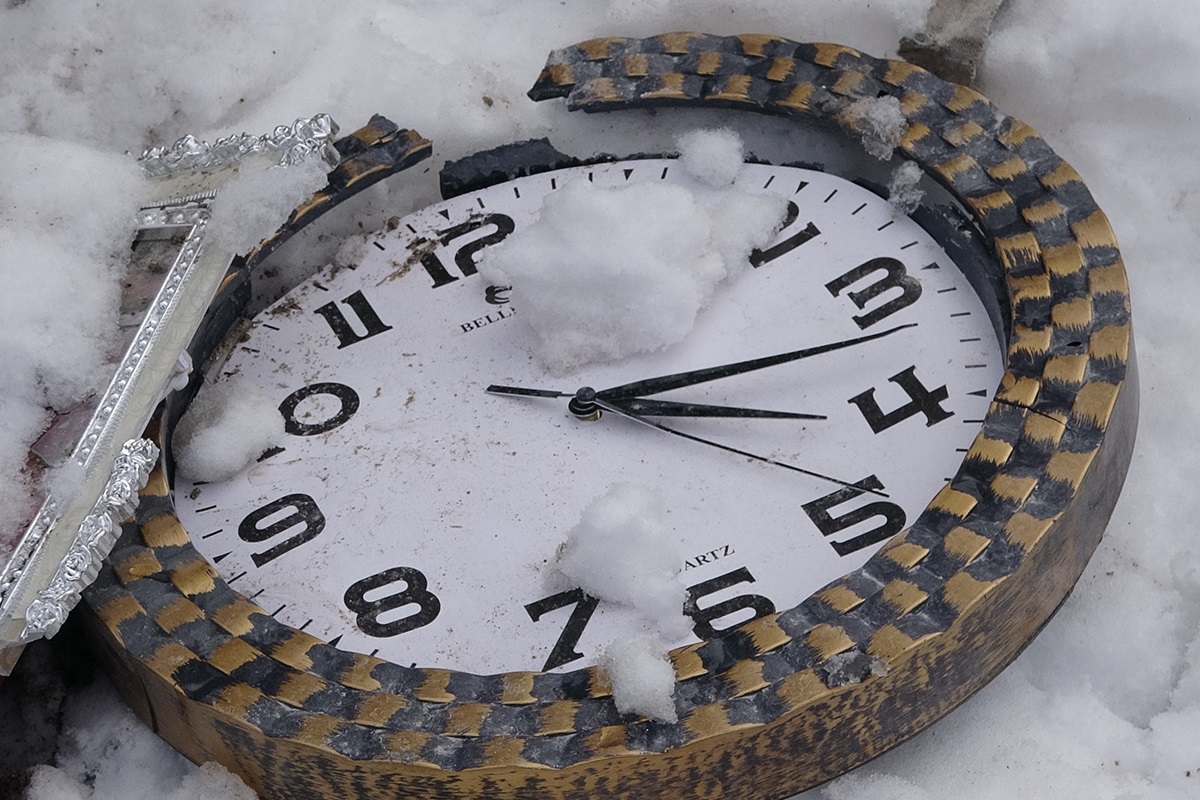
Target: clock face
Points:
(411, 515)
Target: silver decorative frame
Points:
(294, 144)
(93, 541)
(62, 549)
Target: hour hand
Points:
(583, 405)
(522, 391)
(664, 408)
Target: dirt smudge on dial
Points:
(418, 249)
(288, 308)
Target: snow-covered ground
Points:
(1104, 704)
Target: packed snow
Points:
(623, 551)
(642, 677)
(255, 202)
(1105, 704)
(227, 427)
(65, 226)
(712, 156)
(608, 272)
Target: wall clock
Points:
(364, 612)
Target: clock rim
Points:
(1049, 399)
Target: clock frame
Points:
(778, 704)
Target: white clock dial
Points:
(412, 515)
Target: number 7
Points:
(564, 651)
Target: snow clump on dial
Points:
(621, 551)
(642, 677)
(605, 273)
(226, 428)
(712, 156)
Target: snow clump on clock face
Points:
(621, 551)
(606, 273)
(227, 427)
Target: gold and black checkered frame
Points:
(780, 703)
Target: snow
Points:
(622, 551)
(880, 123)
(65, 218)
(1104, 704)
(642, 677)
(252, 205)
(712, 156)
(903, 192)
(606, 273)
(226, 428)
(106, 753)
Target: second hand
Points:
(620, 412)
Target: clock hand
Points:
(607, 406)
(665, 408)
(665, 383)
(582, 405)
(521, 391)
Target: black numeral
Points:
(807, 233)
(464, 257)
(894, 277)
(416, 592)
(921, 401)
(345, 395)
(305, 515)
(564, 651)
(705, 617)
(345, 333)
(893, 518)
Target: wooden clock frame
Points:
(773, 706)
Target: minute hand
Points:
(680, 379)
